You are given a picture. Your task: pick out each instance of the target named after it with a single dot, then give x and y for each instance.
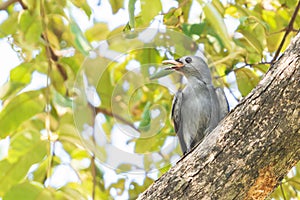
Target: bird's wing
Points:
(176, 117)
(224, 107)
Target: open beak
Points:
(176, 64)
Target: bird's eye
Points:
(188, 60)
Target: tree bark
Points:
(251, 150)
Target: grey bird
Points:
(199, 107)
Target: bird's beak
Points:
(176, 64)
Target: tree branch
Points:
(24, 6)
(289, 29)
(6, 4)
(251, 150)
(93, 158)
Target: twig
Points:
(290, 180)
(50, 52)
(48, 100)
(289, 29)
(252, 65)
(6, 4)
(24, 6)
(93, 164)
(245, 65)
(120, 118)
(54, 58)
(276, 32)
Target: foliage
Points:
(39, 127)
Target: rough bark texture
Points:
(252, 148)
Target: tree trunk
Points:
(251, 150)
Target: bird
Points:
(199, 107)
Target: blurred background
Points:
(84, 103)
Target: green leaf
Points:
(193, 29)
(270, 17)
(262, 67)
(116, 5)
(73, 63)
(21, 143)
(246, 80)
(171, 18)
(26, 150)
(124, 168)
(146, 119)
(273, 41)
(79, 154)
(219, 6)
(216, 21)
(9, 89)
(28, 191)
(61, 100)
(135, 189)
(80, 42)
(148, 57)
(20, 109)
(237, 11)
(131, 8)
(82, 4)
(53, 40)
(98, 32)
(31, 26)
(252, 41)
(148, 14)
(67, 134)
(41, 172)
(20, 76)
(22, 73)
(9, 26)
(74, 191)
(186, 8)
(58, 80)
(119, 186)
(123, 42)
(150, 144)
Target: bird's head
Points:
(191, 66)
